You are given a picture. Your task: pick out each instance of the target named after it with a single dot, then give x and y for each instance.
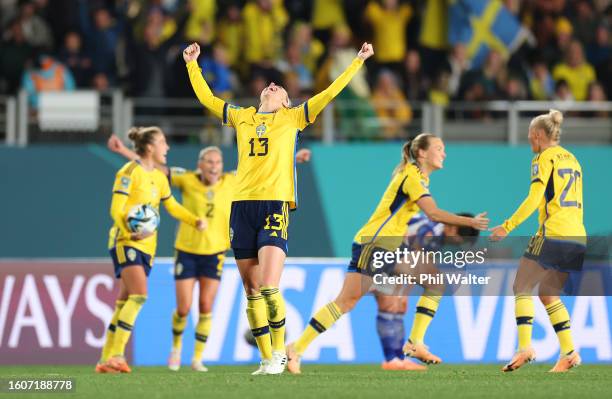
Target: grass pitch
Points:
(328, 381)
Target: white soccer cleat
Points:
(278, 363)
(263, 367)
(174, 361)
(198, 366)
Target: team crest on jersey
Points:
(231, 234)
(534, 170)
(178, 269)
(210, 195)
(260, 130)
(131, 254)
(125, 182)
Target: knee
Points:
(346, 304)
(182, 311)
(547, 299)
(206, 305)
(252, 288)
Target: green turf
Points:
(326, 381)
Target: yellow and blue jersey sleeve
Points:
(177, 177)
(414, 186)
(233, 113)
(541, 168)
(203, 92)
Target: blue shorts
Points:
(129, 256)
(369, 260)
(255, 224)
(564, 256)
(188, 265)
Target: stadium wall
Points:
(55, 200)
(56, 312)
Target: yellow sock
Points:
(524, 312)
(258, 320)
(276, 316)
(425, 311)
(110, 333)
(125, 323)
(178, 326)
(201, 335)
(560, 320)
(321, 321)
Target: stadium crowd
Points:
(136, 44)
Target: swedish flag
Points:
(482, 26)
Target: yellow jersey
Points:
(578, 79)
(141, 187)
(267, 142)
(389, 31)
(212, 203)
(558, 195)
(397, 206)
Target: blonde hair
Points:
(209, 149)
(550, 123)
(142, 136)
(410, 150)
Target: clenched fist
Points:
(366, 51)
(191, 53)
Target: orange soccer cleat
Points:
(520, 358)
(119, 364)
(102, 368)
(420, 352)
(566, 362)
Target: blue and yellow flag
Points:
(482, 26)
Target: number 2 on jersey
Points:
(263, 143)
(574, 175)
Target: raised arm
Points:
(115, 144)
(430, 208)
(318, 102)
(201, 89)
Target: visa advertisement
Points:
(54, 312)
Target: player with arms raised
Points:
(558, 246)
(265, 192)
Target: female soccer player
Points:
(136, 183)
(557, 247)
(405, 195)
(266, 190)
(208, 193)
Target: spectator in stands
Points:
(459, 64)
(100, 82)
(433, 37)
(600, 50)
(563, 94)
(14, 53)
(492, 76)
(292, 64)
(394, 112)
(326, 16)
(201, 22)
(264, 21)
(35, 29)
(101, 33)
(415, 81)
(217, 73)
(575, 71)
(230, 34)
(389, 20)
(597, 94)
(585, 21)
(541, 83)
(564, 32)
(148, 59)
(73, 56)
(438, 93)
(46, 74)
(311, 49)
(515, 89)
(353, 106)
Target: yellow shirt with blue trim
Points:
(141, 187)
(208, 202)
(556, 191)
(267, 142)
(397, 206)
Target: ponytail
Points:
(410, 150)
(141, 137)
(550, 123)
